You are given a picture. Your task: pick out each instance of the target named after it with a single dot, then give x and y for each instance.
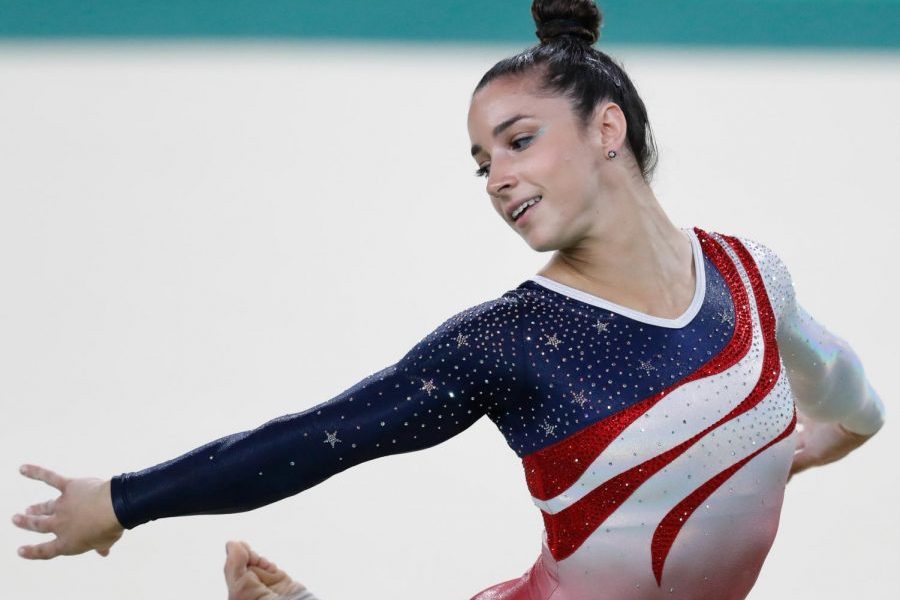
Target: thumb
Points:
(235, 561)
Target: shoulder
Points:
(774, 272)
(495, 321)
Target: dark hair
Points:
(569, 65)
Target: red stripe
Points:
(569, 528)
(668, 529)
(553, 469)
(671, 524)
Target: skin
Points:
(609, 237)
(250, 576)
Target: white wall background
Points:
(195, 239)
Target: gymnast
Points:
(660, 384)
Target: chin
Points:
(540, 244)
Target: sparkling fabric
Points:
(656, 450)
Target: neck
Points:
(637, 257)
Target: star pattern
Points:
(579, 398)
(331, 438)
(428, 386)
(548, 428)
(541, 400)
(646, 366)
(725, 317)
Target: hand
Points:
(249, 576)
(822, 442)
(82, 517)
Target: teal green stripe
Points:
(790, 23)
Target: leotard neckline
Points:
(676, 323)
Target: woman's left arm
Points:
(837, 408)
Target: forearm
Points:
(241, 472)
(387, 413)
(235, 473)
(434, 392)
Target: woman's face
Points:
(529, 146)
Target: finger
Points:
(261, 561)
(252, 556)
(42, 508)
(44, 551)
(235, 561)
(46, 475)
(103, 552)
(257, 559)
(269, 578)
(39, 523)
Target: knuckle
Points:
(47, 525)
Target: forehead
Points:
(508, 96)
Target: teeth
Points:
(524, 205)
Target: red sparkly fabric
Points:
(551, 471)
(671, 524)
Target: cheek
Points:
(498, 208)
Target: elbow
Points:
(869, 418)
(840, 392)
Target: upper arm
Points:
(456, 374)
(825, 374)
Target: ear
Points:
(608, 127)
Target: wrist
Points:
(108, 513)
(852, 434)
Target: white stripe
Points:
(679, 416)
(713, 453)
(684, 319)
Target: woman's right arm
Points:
(460, 371)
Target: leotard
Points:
(657, 450)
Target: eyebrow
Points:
(500, 129)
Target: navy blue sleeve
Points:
(465, 368)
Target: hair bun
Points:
(577, 18)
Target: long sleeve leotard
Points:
(657, 450)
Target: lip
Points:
(514, 205)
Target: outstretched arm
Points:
(456, 374)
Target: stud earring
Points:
(611, 154)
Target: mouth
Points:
(520, 210)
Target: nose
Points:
(500, 180)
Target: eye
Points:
(517, 144)
(522, 142)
